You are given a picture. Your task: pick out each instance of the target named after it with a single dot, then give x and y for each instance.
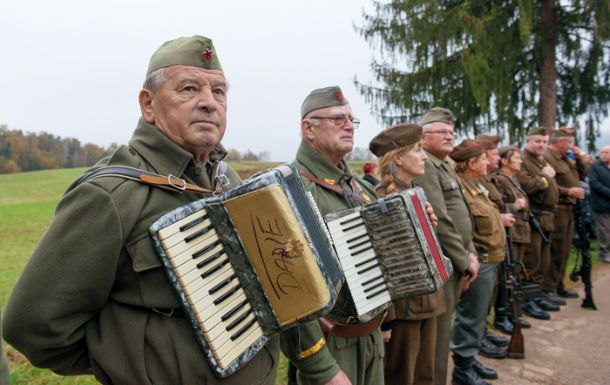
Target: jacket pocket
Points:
(482, 221)
(143, 254)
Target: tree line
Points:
(26, 151)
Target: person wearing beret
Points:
(568, 174)
(337, 349)
(94, 297)
(489, 239)
(536, 177)
(443, 189)
(515, 201)
(410, 325)
(369, 170)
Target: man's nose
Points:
(206, 99)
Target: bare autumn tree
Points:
(501, 66)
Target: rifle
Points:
(516, 293)
(583, 256)
(535, 224)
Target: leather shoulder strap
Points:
(167, 182)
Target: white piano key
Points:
(235, 348)
(171, 235)
(184, 251)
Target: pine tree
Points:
(500, 66)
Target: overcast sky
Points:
(74, 68)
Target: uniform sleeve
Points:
(305, 346)
(66, 282)
(448, 234)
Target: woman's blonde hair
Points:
(388, 170)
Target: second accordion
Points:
(389, 251)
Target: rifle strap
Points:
(337, 189)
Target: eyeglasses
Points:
(339, 120)
(441, 132)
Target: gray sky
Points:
(74, 68)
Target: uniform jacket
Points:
(488, 236)
(540, 188)
(319, 366)
(511, 190)
(567, 174)
(443, 189)
(599, 180)
(494, 194)
(90, 298)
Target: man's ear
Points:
(307, 129)
(146, 99)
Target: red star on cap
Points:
(207, 55)
(339, 96)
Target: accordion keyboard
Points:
(360, 264)
(211, 286)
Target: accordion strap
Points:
(167, 182)
(337, 189)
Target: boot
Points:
(499, 341)
(483, 371)
(546, 305)
(566, 293)
(552, 297)
(489, 350)
(531, 309)
(502, 323)
(464, 373)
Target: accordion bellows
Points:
(248, 263)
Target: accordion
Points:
(388, 251)
(248, 263)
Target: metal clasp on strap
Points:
(172, 181)
(164, 312)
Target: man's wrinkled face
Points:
(190, 107)
(438, 138)
(493, 160)
(537, 144)
(604, 154)
(326, 136)
(565, 144)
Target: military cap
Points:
(436, 114)
(194, 51)
(537, 131)
(467, 149)
(563, 132)
(488, 141)
(395, 137)
(503, 151)
(322, 98)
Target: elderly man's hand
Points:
(340, 379)
(471, 272)
(576, 192)
(549, 171)
(508, 220)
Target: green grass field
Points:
(27, 204)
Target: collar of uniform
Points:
(554, 154)
(472, 185)
(534, 158)
(435, 161)
(319, 166)
(165, 156)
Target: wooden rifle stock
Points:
(516, 347)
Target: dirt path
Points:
(573, 348)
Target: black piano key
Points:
(226, 295)
(373, 287)
(345, 222)
(243, 330)
(353, 227)
(365, 262)
(235, 309)
(362, 242)
(356, 238)
(375, 294)
(198, 233)
(222, 284)
(238, 320)
(371, 280)
(214, 269)
(368, 268)
(206, 249)
(362, 250)
(193, 223)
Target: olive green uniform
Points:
(4, 380)
(543, 197)
(494, 193)
(511, 190)
(567, 175)
(94, 297)
(317, 360)
(443, 190)
(489, 240)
